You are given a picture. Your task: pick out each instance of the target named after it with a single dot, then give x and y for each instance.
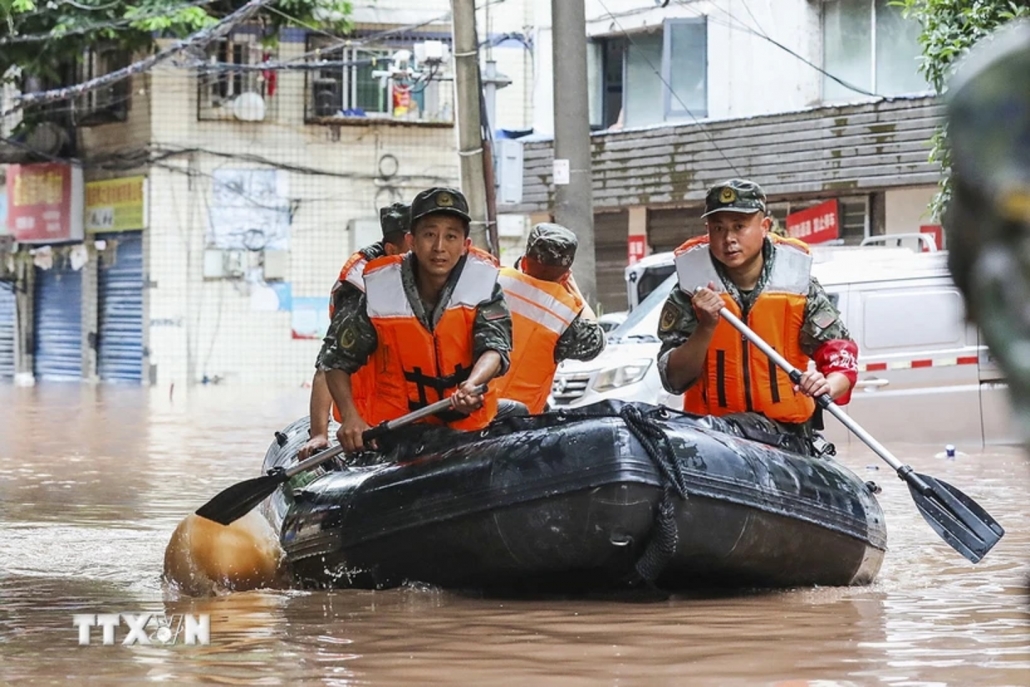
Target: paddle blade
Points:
(958, 519)
(233, 503)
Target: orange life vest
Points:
(736, 376)
(352, 273)
(541, 311)
(413, 367)
(361, 382)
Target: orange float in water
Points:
(204, 557)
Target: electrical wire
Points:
(203, 36)
(736, 24)
(96, 26)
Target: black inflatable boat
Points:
(599, 498)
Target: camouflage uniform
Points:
(352, 336)
(395, 219)
(554, 245)
(822, 322)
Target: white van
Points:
(924, 375)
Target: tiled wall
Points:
(218, 328)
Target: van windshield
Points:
(642, 323)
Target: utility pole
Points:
(467, 112)
(574, 203)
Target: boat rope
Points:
(661, 547)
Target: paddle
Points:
(955, 517)
(234, 502)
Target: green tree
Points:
(42, 37)
(950, 29)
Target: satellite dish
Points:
(249, 107)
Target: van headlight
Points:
(615, 377)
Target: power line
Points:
(203, 36)
(96, 26)
(738, 25)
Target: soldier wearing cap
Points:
(432, 324)
(766, 281)
(395, 221)
(551, 320)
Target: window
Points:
(227, 93)
(854, 220)
(106, 104)
(869, 44)
(353, 86)
(668, 66)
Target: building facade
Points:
(818, 101)
(217, 198)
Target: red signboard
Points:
(45, 202)
(816, 224)
(936, 232)
(637, 248)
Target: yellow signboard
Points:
(116, 204)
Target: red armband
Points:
(839, 355)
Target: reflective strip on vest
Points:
(791, 271)
(541, 312)
(355, 274)
(475, 283)
(694, 269)
(536, 305)
(385, 295)
(695, 266)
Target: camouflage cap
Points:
(395, 219)
(552, 244)
(735, 195)
(440, 200)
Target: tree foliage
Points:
(41, 37)
(949, 29)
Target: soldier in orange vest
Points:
(432, 324)
(395, 221)
(550, 319)
(766, 281)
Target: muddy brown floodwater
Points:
(94, 480)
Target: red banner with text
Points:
(637, 248)
(45, 202)
(817, 224)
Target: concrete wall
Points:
(214, 327)
(906, 209)
(747, 74)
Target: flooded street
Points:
(94, 480)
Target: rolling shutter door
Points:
(120, 312)
(668, 228)
(8, 319)
(58, 324)
(611, 235)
